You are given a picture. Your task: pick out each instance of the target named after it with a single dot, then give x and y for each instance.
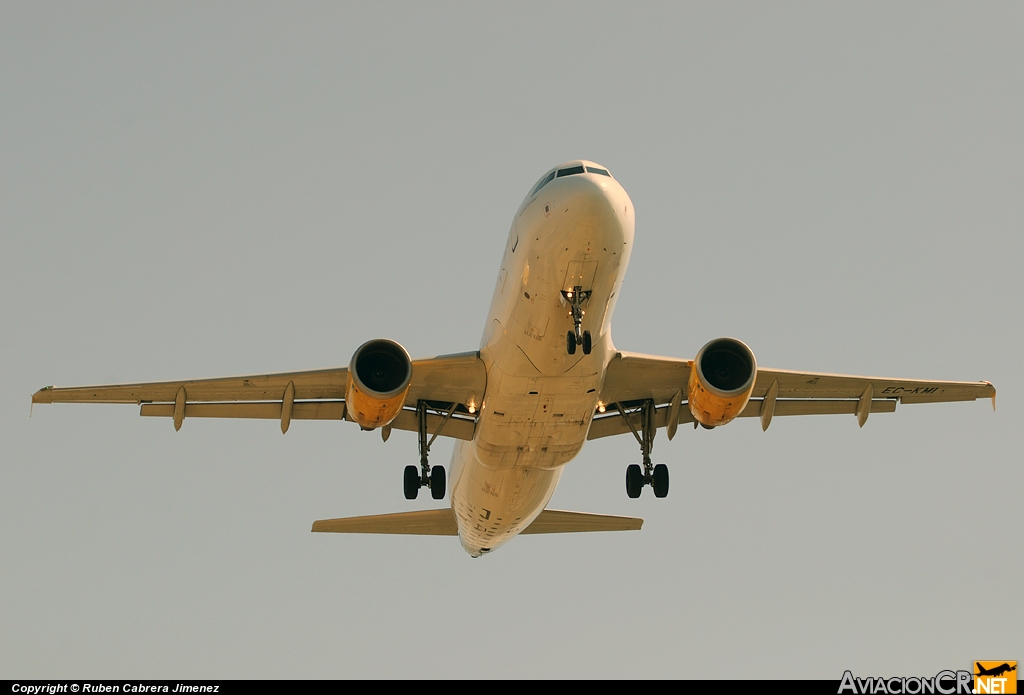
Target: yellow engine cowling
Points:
(721, 381)
(379, 377)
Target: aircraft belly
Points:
(530, 420)
(540, 400)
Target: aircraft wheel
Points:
(570, 343)
(437, 482)
(634, 480)
(660, 482)
(586, 342)
(412, 482)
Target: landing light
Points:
(600, 407)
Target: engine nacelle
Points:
(379, 377)
(721, 381)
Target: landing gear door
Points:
(581, 274)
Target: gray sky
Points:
(196, 190)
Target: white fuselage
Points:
(539, 402)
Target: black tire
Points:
(634, 480)
(412, 482)
(586, 342)
(570, 343)
(660, 482)
(437, 482)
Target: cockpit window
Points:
(568, 171)
(543, 182)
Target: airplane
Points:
(995, 671)
(546, 379)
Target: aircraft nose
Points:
(597, 201)
(588, 189)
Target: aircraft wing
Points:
(814, 385)
(446, 382)
(633, 378)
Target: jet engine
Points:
(721, 381)
(379, 376)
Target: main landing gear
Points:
(414, 481)
(654, 475)
(576, 297)
(426, 476)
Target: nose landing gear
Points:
(584, 341)
(576, 298)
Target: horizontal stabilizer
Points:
(429, 522)
(555, 521)
(441, 522)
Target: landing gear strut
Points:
(426, 476)
(576, 297)
(654, 475)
